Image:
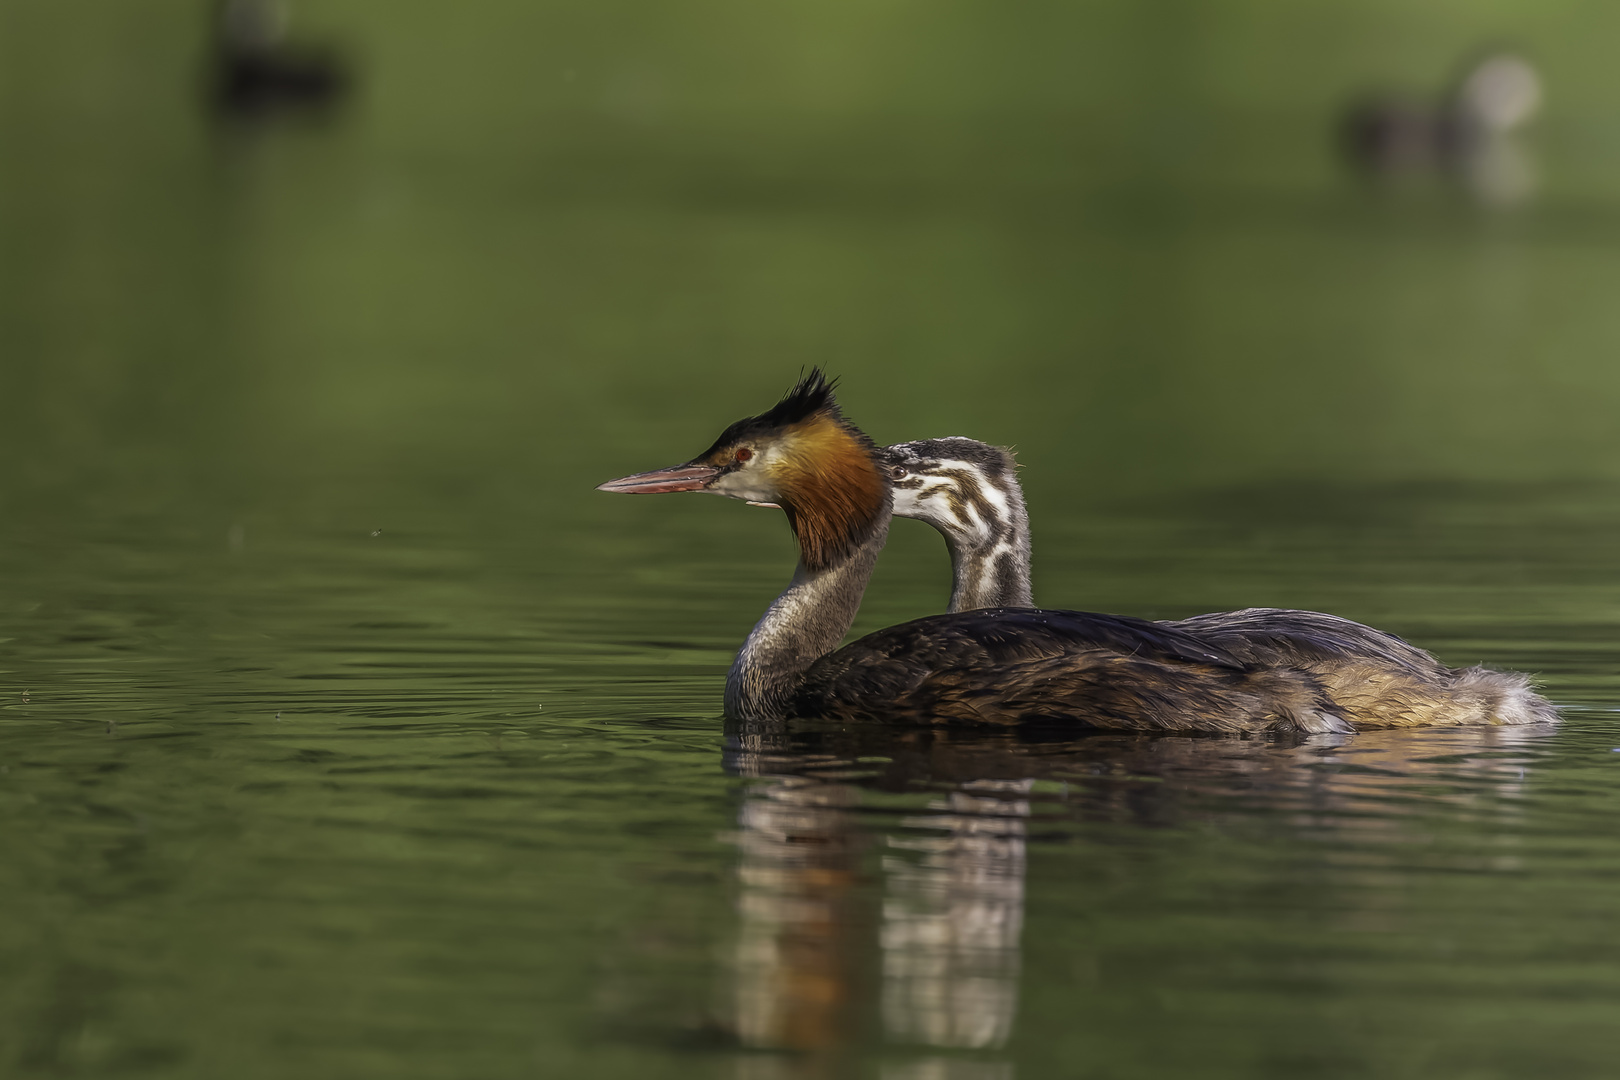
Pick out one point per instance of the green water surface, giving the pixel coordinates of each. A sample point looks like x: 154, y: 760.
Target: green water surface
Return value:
x: 345, y: 731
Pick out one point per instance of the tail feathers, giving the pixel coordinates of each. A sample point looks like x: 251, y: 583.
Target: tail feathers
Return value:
x: 1507, y: 696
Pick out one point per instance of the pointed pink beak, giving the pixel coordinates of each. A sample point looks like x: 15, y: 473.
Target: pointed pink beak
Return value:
x: 680, y: 478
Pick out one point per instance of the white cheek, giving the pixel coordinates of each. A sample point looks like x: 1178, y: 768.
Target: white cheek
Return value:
x: 749, y: 484
x: 924, y: 503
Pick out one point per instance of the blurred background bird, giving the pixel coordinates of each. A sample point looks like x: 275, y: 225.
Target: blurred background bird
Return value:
x: 258, y: 70
x: 1467, y: 134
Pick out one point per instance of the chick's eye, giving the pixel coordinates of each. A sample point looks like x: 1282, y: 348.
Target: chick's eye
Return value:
x: 743, y: 454
x: 898, y: 472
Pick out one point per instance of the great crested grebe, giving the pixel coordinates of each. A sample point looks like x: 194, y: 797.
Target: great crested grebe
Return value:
x: 1002, y: 665
x: 969, y: 491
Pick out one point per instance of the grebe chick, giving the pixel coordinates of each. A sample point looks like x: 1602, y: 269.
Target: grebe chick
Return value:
x: 1005, y: 665
x: 969, y: 491
x: 1379, y: 679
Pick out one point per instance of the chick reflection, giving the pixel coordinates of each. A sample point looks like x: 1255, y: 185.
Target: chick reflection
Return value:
x: 952, y: 918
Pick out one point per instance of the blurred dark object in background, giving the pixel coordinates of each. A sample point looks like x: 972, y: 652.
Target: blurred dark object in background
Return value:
x: 1467, y: 135
x: 256, y: 71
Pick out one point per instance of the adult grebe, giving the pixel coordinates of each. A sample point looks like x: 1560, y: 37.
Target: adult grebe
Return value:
x: 1005, y: 665
x: 969, y: 491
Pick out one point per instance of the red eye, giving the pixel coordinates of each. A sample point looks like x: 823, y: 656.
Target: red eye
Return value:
x: 743, y: 454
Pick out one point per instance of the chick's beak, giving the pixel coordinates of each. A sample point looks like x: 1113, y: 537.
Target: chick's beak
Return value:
x: 679, y: 478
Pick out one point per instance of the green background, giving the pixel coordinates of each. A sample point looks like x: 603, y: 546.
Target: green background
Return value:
x: 346, y: 731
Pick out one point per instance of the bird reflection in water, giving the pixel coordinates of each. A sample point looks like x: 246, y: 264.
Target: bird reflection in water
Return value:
x: 952, y: 915
x: 947, y: 923
x: 828, y: 876
x: 797, y: 956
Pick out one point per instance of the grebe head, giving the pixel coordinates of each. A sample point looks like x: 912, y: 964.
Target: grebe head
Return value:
x: 969, y: 491
x: 803, y: 456
x: 961, y: 487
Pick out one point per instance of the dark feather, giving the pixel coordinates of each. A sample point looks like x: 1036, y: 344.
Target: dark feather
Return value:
x: 1281, y: 636
x: 812, y: 394
x: 1009, y: 635
x: 1018, y: 665
x: 997, y: 462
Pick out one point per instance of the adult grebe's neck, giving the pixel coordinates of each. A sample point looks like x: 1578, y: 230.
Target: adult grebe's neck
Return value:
x: 805, y: 623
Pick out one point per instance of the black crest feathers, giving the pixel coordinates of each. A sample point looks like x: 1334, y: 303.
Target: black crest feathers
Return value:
x: 812, y: 394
